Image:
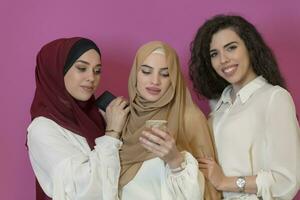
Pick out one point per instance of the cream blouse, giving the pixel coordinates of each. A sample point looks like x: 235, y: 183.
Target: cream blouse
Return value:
x: 155, y: 181
x: 259, y: 134
x: 67, y: 168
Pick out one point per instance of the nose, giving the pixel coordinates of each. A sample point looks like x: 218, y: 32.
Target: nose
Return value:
x: 223, y: 58
x: 91, y: 76
x: 155, y: 79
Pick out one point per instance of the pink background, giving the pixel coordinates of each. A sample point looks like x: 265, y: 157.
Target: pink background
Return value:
x: 119, y: 27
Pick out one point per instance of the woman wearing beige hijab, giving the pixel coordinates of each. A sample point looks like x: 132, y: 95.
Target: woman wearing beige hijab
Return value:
x: 159, y: 164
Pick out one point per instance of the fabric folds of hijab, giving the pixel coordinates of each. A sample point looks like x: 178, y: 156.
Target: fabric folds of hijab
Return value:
x: 172, y: 106
x: 51, y: 98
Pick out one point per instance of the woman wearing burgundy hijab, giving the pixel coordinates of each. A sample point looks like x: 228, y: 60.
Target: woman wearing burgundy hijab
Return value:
x: 72, y: 155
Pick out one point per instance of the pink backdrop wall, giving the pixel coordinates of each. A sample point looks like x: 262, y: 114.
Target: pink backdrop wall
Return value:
x: 119, y: 27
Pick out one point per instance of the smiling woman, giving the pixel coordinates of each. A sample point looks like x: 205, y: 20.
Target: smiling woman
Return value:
x: 72, y: 155
x: 230, y: 58
x: 254, y: 123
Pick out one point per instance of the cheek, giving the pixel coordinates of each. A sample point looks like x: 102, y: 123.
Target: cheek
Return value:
x: 139, y: 87
x: 214, y: 64
x: 97, y: 81
x: 140, y: 81
x: 69, y: 82
x: 166, y: 84
x: 70, y: 86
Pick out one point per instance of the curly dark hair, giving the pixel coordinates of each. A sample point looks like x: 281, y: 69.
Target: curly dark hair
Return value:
x: 205, y: 80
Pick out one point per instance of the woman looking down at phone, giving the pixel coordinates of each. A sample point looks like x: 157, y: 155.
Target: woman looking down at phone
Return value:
x: 72, y: 155
x: 159, y: 164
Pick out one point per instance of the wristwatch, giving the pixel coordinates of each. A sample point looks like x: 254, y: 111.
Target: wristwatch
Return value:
x: 180, y: 168
x: 241, y: 183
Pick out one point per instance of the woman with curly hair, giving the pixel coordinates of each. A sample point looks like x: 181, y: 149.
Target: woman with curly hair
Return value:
x: 254, y: 122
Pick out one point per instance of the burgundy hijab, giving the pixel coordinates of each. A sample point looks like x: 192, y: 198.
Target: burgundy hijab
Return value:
x: 52, y: 100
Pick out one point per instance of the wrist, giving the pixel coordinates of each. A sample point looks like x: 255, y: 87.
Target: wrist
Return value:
x: 223, y: 183
x: 113, y: 133
x: 176, y: 162
x: 112, y: 130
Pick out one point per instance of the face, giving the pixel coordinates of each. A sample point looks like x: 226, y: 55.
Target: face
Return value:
x: 83, y: 77
x: 153, y: 77
x: 230, y: 58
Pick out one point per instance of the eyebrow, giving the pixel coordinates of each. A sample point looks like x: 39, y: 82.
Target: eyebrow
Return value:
x: 230, y: 43
x: 226, y: 45
x: 87, y: 63
x: 144, y: 65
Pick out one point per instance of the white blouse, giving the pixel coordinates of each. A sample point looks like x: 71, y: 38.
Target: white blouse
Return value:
x: 155, y: 181
x: 258, y: 134
x: 67, y: 168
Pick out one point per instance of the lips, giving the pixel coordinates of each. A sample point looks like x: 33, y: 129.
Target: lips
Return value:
x: 153, y: 90
x: 229, y: 70
x: 88, y: 88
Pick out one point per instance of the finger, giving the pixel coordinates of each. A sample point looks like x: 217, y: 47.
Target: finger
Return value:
x: 153, y: 138
x: 204, y: 160
x: 152, y: 150
x: 203, y: 166
x: 209, y: 158
x: 162, y: 134
x: 150, y: 146
x: 126, y: 110
x: 155, y: 146
x: 147, y: 142
x: 117, y: 101
x: 112, y: 103
x: 123, y: 104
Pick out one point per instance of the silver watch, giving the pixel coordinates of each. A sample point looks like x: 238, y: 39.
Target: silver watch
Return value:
x: 241, y: 183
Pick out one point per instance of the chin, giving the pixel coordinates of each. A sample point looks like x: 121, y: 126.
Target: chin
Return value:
x: 85, y: 98
x: 150, y: 98
x: 231, y: 80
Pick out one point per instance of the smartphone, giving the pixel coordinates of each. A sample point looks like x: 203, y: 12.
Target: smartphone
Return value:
x: 104, y: 99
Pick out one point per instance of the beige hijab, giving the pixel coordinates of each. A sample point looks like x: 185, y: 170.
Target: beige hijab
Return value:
x: 186, y: 122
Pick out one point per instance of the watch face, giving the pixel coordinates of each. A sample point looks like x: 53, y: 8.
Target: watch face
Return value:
x: 240, y: 182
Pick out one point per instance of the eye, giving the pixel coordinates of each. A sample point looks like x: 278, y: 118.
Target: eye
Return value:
x: 231, y: 47
x: 145, y: 71
x: 81, y: 68
x: 164, y: 73
x: 213, y: 54
x: 97, y: 70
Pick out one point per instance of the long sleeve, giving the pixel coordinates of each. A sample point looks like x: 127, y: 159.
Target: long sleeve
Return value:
x: 280, y: 176
x: 187, y: 184
x: 65, y: 166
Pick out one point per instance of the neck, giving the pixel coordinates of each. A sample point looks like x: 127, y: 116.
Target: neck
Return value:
x: 238, y: 86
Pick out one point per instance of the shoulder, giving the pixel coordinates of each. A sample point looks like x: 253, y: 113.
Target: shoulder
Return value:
x: 278, y: 94
x: 43, y: 129
x: 42, y: 123
x: 277, y: 100
x: 270, y: 90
